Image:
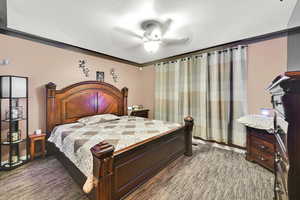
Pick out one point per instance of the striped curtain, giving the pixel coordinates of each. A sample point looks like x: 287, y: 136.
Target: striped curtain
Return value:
x: 210, y: 87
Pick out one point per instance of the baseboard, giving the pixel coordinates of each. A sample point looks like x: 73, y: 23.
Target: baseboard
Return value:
x: 235, y: 148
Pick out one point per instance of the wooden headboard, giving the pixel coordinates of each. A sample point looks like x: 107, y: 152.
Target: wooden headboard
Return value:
x: 83, y: 99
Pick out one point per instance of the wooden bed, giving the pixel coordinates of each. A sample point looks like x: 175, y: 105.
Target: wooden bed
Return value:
x: 116, y: 174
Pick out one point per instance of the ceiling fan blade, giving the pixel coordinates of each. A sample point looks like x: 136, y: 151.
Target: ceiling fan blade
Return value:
x: 133, y: 47
x: 166, y: 26
x: 173, y: 41
x: 128, y: 32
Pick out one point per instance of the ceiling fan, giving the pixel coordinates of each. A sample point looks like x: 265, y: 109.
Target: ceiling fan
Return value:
x: 154, y: 35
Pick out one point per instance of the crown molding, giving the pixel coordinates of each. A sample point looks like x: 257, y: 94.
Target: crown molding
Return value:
x: 62, y: 45
x: 46, y: 41
x: 246, y: 41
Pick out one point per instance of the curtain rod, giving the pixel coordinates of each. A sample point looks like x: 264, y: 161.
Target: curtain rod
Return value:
x: 200, y: 54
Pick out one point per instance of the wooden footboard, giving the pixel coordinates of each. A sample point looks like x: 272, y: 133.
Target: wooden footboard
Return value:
x: 117, y: 174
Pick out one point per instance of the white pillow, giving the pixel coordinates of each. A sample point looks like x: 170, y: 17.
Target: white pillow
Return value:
x: 98, y: 119
x: 257, y: 121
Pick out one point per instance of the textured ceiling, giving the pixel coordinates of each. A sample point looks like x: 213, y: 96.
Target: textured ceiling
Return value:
x: 91, y: 24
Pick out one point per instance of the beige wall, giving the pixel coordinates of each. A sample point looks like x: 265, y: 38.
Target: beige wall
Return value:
x: 266, y: 60
x: 43, y: 64
x: 148, y: 76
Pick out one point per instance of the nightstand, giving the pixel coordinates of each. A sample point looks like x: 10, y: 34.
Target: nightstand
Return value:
x: 33, y: 139
x: 140, y: 113
x: 260, y: 147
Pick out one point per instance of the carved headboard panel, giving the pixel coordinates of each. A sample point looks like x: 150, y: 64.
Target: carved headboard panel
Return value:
x: 83, y: 99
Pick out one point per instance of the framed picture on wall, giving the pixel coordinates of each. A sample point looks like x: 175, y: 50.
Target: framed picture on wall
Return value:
x: 100, y: 76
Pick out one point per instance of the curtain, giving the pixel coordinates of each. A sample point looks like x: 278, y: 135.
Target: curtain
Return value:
x: 210, y: 87
x: 172, y: 91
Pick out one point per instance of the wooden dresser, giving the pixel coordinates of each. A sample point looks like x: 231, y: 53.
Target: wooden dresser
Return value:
x: 285, y: 92
x: 140, y: 113
x: 260, y: 147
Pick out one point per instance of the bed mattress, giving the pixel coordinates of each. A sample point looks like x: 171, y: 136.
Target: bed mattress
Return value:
x: 76, y: 139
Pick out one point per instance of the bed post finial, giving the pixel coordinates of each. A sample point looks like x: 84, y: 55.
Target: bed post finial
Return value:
x: 103, y: 169
x: 51, y: 85
x: 189, y: 124
x: 125, y: 95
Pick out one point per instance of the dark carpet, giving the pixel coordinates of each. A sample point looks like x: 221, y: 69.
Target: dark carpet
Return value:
x: 210, y: 174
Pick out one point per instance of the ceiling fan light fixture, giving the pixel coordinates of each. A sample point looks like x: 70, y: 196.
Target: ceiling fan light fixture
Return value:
x: 156, y: 34
x: 152, y: 46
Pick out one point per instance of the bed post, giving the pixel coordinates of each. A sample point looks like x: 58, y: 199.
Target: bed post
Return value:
x: 125, y: 95
x: 50, y: 108
x: 103, y: 170
x: 189, y: 123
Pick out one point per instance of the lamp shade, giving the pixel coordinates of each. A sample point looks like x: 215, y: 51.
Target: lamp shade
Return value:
x: 13, y: 87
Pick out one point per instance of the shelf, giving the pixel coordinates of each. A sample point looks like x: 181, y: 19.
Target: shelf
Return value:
x: 15, y: 142
x: 14, y: 98
x: 14, y: 120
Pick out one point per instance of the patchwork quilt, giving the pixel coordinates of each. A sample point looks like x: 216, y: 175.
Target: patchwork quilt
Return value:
x: 76, y: 139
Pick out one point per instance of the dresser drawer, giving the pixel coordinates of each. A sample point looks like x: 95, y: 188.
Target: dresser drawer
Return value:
x: 262, y: 146
x: 265, y: 160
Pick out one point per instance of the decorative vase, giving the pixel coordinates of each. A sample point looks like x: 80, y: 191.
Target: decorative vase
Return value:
x: 14, y: 136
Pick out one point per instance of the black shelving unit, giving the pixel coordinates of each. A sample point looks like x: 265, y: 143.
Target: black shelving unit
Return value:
x: 14, y: 144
